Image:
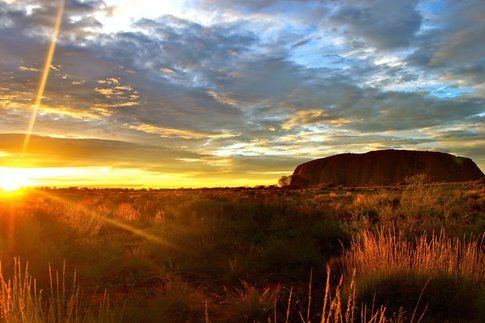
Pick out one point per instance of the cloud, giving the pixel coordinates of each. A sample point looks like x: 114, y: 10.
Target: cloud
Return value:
x: 385, y: 24
x: 452, y: 43
x: 61, y: 152
x: 55, y: 152
x: 251, y: 87
x: 118, y: 95
x: 178, y: 133
x: 310, y: 117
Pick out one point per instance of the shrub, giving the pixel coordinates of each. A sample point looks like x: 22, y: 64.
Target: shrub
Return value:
x: 418, y: 209
x: 250, y: 304
x: 126, y: 212
x: 418, y: 199
x: 86, y: 221
x: 172, y: 301
x: 441, y: 296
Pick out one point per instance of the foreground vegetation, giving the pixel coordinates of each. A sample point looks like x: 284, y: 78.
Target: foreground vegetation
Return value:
x: 407, y: 253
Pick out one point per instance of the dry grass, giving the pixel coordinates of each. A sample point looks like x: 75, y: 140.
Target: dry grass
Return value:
x: 21, y: 300
x: 387, y: 253
x: 446, y: 273
x: 336, y: 309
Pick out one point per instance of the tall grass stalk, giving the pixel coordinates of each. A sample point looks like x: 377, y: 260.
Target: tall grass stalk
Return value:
x: 21, y: 299
x: 336, y: 309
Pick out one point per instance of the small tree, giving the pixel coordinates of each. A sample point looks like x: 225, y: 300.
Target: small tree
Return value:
x: 284, y: 181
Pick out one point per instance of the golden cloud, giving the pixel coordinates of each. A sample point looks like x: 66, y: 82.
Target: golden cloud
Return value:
x: 179, y: 133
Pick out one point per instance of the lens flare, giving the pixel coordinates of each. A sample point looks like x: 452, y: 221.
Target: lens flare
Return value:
x: 44, y: 77
x: 116, y: 223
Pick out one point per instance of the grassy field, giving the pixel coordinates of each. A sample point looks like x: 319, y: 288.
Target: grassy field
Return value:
x: 402, y: 254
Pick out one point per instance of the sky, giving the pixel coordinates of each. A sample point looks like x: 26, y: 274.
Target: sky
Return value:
x: 191, y: 93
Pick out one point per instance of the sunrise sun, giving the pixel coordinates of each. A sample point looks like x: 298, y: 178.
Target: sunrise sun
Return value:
x: 13, y: 181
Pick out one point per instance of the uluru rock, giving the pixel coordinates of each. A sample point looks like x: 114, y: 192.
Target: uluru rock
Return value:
x: 385, y: 167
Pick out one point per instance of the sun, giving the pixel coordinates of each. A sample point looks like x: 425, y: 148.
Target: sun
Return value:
x: 11, y: 182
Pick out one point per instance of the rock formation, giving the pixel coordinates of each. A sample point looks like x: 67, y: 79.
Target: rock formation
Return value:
x: 385, y: 167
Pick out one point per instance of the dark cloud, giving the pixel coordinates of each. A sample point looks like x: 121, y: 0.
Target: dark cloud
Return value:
x: 35, y: 18
x: 453, y: 42
x: 404, y: 111
x: 385, y: 24
x: 139, y: 64
x: 260, y: 5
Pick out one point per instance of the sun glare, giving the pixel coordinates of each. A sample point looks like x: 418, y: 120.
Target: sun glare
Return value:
x: 11, y: 182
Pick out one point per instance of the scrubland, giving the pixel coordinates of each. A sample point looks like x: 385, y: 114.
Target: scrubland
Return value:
x: 408, y: 253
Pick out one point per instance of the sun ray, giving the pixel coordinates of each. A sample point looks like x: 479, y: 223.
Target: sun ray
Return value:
x: 111, y: 221
x: 45, y: 76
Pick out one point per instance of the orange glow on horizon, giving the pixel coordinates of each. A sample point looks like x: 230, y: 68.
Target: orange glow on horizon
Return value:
x: 106, y: 177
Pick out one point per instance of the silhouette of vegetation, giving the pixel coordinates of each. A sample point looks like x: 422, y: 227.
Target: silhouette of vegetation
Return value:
x: 284, y: 181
